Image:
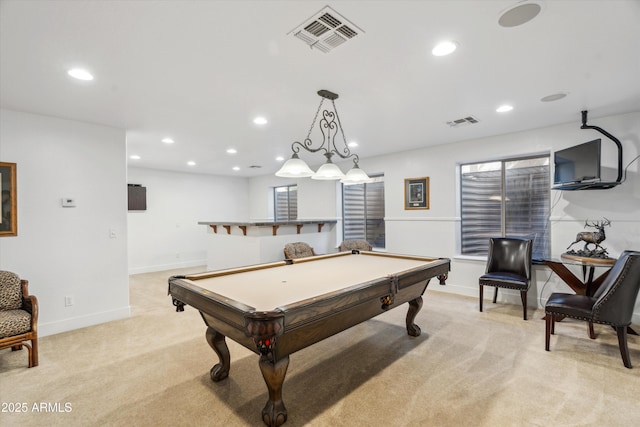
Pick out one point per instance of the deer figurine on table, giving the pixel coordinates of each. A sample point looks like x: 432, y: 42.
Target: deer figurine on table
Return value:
x: 594, y: 237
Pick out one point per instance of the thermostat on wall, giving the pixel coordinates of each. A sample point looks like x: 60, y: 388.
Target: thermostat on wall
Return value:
x: 68, y: 202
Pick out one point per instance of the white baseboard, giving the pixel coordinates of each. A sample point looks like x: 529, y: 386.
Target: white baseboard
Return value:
x: 72, y: 323
x: 504, y: 295
x: 163, y: 267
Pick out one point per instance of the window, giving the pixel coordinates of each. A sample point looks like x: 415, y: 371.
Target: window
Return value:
x: 363, y: 211
x: 505, y: 198
x: 285, y: 203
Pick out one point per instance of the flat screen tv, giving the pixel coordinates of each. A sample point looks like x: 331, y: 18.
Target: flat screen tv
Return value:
x: 137, y: 197
x: 578, y: 164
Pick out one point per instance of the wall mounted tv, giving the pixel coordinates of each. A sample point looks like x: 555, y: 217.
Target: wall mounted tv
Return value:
x: 577, y: 166
x: 137, y: 197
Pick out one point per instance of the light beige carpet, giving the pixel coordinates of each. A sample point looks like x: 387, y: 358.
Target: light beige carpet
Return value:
x: 466, y: 369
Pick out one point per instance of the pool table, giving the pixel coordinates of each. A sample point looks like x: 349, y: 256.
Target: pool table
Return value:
x: 278, y: 308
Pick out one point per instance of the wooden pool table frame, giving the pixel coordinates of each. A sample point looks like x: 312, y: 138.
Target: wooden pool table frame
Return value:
x: 276, y: 334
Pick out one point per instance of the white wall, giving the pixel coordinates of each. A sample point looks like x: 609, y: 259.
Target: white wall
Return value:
x: 434, y: 231
x: 259, y: 245
x: 167, y: 234
x: 316, y: 199
x: 68, y: 251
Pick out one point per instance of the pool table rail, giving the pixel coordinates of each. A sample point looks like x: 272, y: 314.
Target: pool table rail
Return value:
x: 229, y: 318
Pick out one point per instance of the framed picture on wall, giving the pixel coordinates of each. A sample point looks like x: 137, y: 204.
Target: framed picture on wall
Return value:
x: 9, y: 218
x: 416, y: 193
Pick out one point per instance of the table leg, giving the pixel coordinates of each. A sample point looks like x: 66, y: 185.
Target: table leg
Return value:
x: 217, y: 342
x: 414, y: 307
x: 595, y: 283
x: 589, y: 282
x: 568, y: 277
x: 274, y: 413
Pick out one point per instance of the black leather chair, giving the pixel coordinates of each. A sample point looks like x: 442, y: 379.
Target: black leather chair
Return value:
x: 612, y: 304
x: 508, y: 266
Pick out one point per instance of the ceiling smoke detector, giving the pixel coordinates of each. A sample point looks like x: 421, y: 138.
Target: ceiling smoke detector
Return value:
x: 469, y: 120
x: 326, y: 30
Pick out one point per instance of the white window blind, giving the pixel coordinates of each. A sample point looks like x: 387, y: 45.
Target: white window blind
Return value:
x: 363, y: 211
x: 286, y: 203
x: 505, y: 198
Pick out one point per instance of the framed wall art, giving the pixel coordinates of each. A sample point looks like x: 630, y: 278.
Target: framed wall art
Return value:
x: 9, y: 219
x: 416, y: 193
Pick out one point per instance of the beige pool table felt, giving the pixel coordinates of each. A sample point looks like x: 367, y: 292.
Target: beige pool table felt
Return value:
x: 270, y: 288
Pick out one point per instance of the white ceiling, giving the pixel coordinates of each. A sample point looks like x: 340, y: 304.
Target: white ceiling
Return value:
x: 200, y: 71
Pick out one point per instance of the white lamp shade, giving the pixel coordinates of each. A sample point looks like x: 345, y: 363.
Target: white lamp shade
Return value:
x: 355, y: 176
x: 295, y: 168
x: 328, y: 171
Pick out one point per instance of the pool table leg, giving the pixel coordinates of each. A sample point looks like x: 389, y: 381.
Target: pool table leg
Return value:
x: 216, y: 340
x: 414, y: 307
x: 274, y: 412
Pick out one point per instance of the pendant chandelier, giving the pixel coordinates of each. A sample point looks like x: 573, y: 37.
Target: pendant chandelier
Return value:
x: 329, y: 125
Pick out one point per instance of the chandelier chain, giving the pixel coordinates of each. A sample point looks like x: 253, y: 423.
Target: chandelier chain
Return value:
x: 314, y: 119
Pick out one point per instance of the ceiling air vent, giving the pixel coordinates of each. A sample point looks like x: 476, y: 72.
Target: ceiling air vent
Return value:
x: 326, y: 30
x: 469, y: 120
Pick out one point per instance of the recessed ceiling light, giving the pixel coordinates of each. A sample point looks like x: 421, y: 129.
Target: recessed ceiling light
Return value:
x: 280, y: 159
x: 191, y: 163
x: 232, y: 151
x: 554, y: 97
x: 134, y: 157
x: 352, y: 144
x: 236, y: 168
x: 519, y: 14
x: 504, y: 108
x: 80, y: 74
x: 260, y: 120
x: 444, y: 48
x: 168, y: 140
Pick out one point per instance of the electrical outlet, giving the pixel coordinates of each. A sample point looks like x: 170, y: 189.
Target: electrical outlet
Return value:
x: 68, y: 301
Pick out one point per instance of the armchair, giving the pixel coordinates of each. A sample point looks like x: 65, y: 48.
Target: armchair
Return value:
x: 298, y: 250
x: 359, y: 245
x: 18, y: 316
x: 508, y: 266
x: 612, y: 304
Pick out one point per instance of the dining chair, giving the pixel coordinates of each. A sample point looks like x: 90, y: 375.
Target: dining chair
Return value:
x: 612, y: 304
x: 508, y: 266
